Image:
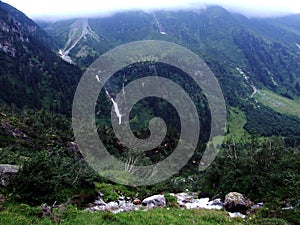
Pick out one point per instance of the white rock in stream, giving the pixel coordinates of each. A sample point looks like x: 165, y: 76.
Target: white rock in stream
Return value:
x: 204, y: 203
x: 236, y: 214
x: 154, y: 201
x: 191, y: 202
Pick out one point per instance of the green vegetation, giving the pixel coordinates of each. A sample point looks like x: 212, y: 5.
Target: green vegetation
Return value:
x: 278, y: 103
x: 265, y: 169
x: 260, y: 155
x: 24, y: 214
x: 235, y: 124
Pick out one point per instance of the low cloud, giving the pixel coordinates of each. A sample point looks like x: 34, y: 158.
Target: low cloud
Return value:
x: 68, y: 8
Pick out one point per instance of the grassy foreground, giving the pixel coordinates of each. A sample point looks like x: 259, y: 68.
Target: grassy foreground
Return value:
x: 23, y: 214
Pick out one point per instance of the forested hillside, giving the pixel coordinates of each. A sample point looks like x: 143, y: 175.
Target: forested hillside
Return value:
x: 248, y: 53
x: 31, y: 73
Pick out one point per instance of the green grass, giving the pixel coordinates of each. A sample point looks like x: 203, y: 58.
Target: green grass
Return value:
x: 278, y: 103
x: 25, y: 215
x: 235, y: 123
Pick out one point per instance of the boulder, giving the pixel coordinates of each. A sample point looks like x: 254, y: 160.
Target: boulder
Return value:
x: 154, y: 201
x: 137, y: 201
x: 236, y: 202
x: 7, y: 172
x: 183, y: 198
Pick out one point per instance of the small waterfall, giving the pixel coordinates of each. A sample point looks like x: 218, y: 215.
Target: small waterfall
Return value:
x: 116, y: 107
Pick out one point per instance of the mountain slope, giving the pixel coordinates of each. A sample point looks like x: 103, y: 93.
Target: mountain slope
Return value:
x: 246, y: 55
x: 31, y: 73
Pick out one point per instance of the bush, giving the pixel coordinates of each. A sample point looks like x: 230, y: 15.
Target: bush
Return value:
x: 49, y: 177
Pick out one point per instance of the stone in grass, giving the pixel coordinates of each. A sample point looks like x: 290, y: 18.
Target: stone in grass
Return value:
x: 236, y: 202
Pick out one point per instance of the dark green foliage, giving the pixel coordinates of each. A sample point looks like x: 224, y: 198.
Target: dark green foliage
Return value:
x: 108, y: 191
x: 48, y: 177
x: 272, y: 61
x: 31, y: 74
x: 264, y: 169
x: 264, y: 121
x: 274, y: 213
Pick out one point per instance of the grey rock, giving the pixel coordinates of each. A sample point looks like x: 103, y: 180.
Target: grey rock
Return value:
x: 7, y: 172
x: 236, y: 214
x: 288, y: 208
x: 154, y: 201
x: 236, y: 202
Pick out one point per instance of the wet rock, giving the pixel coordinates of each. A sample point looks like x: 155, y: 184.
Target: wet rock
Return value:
x: 217, y: 202
x: 236, y: 214
x: 204, y: 203
x: 128, y: 207
x: 190, y: 201
x: 112, y: 206
x: 7, y: 172
x: 121, y: 205
x: 236, y: 202
x: 154, y: 201
x: 183, y: 198
x: 288, y: 208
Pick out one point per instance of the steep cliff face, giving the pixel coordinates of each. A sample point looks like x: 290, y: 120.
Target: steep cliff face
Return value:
x: 31, y: 73
x: 15, y: 28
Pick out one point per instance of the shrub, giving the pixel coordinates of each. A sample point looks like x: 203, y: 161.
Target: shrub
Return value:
x: 48, y: 177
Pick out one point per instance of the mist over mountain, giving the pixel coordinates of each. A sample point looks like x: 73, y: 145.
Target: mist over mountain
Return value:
x: 255, y: 60
x: 256, y: 54
x: 55, y: 10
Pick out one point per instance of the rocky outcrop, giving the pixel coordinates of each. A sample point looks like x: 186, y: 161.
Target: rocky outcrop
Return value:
x: 127, y: 205
x: 236, y: 202
x: 121, y: 205
x: 7, y: 172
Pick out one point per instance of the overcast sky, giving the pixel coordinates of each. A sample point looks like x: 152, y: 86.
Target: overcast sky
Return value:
x: 72, y: 8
